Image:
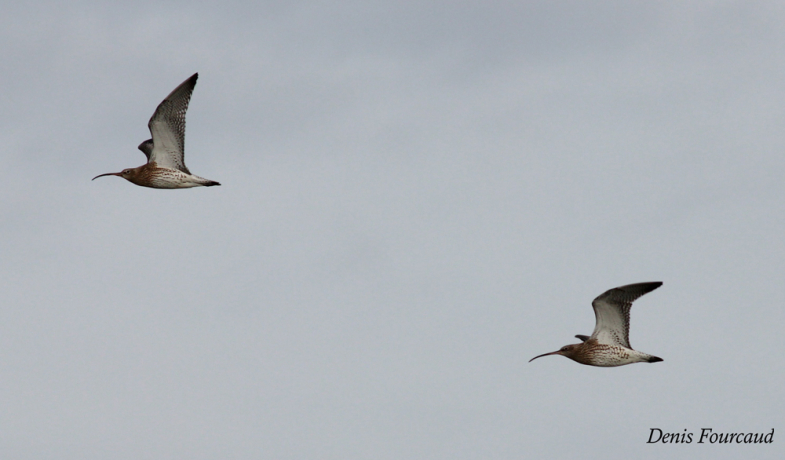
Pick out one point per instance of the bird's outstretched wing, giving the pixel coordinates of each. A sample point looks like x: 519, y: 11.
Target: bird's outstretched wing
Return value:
x: 167, y: 125
x: 612, y: 309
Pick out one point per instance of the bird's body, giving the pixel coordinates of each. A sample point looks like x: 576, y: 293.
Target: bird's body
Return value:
x: 165, y: 152
x: 609, y: 344
x: 153, y: 176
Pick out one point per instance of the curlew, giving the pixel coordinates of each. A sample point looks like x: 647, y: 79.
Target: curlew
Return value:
x: 165, y: 152
x: 609, y: 344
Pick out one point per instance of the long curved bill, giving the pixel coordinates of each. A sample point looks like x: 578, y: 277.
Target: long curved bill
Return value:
x: 546, y: 354
x: 107, y: 174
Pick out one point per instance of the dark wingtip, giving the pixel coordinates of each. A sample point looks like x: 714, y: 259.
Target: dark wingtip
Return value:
x: 147, y: 148
x: 652, y: 285
x: 654, y: 359
x: 211, y: 183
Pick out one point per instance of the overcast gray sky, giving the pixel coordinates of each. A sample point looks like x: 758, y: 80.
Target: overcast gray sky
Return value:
x: 416, y: 199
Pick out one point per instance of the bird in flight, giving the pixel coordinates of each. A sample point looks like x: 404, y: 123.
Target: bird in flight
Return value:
x: 609, y: 344
x: 165, y: 167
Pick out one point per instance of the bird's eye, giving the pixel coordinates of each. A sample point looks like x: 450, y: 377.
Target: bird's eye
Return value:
x: 126, y: 171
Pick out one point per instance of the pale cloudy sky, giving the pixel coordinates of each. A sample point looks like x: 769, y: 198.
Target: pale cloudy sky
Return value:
x: 417, y: 198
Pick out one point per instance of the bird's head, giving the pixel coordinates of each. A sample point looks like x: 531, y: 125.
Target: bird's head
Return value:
x: 128, y: 174
x: 567, y: 350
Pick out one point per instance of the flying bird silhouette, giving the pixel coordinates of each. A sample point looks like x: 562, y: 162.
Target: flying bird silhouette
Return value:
x: 165, y: 152
x: 609, y: 344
